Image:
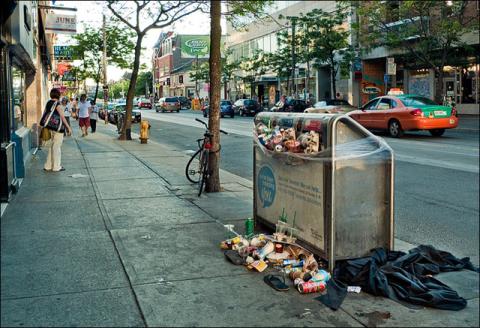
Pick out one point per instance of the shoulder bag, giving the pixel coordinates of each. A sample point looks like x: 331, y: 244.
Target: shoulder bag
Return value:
x: 52, y: 120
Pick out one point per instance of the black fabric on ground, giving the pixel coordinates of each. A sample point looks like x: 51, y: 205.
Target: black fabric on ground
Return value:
x: 336, y: 292
x: 403, y: 277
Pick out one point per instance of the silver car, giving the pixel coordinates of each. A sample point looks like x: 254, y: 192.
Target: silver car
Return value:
x: 168, y: 104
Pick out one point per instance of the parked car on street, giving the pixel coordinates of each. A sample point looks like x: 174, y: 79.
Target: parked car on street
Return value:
x: 400, y: 113
x: 119, y: 109
x: 291, y: 105
x: 244, y: 107
x: 226, y: 109
x: 168, y: 104
x: 184, y: 102
x: 144, y: 103
x: 331, y: 106
x: 104, y: 110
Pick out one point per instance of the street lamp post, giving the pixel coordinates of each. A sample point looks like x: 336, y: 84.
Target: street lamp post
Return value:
x: 294, y: 21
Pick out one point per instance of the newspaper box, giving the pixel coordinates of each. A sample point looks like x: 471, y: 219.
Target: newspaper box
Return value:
x: 329, y: 178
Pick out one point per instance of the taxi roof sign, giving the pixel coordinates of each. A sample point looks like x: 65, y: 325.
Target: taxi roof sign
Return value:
x: 395, y: 91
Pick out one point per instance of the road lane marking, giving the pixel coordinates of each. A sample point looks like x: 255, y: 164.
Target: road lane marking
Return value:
x: 437, y: 163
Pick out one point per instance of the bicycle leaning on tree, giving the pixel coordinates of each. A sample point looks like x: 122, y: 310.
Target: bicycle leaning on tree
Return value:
x: 197, y: 169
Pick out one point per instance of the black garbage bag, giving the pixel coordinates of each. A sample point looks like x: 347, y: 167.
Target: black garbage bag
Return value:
x: 406, y: 278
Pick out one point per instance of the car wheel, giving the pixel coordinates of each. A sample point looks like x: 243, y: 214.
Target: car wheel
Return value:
x: 394, y: 129
x: 437, y: 132
x: 178, y: 110
x: 221, y: 116
x: 163, y: 110
x: 204, y: 114
x: 232, y: 115
x: 156, y: 110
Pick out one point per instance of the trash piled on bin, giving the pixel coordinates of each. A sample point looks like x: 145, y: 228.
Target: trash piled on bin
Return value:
x: 304, y: 138
x: 278, y: 252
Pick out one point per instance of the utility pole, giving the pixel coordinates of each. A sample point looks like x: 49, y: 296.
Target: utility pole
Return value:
x: 293, y: 54
x: 104, y: 64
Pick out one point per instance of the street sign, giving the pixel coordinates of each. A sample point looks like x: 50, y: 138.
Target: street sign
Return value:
x: 387, y: 78
x: 390, y: 60
x: 357, y: 65
x: 392, y: 69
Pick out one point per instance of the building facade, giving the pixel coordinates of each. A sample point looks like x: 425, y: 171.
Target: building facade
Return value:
x: 25, y: 58
x: 461, y: 75
x: 263, y: 36
x: 171, y: 66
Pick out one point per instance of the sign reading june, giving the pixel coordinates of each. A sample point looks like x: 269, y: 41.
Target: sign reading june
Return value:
x: 195, y: 45
x: 61, y: 24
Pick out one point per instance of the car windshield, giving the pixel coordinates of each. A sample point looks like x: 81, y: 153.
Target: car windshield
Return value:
x: 120, y: 108
x: 249, y: 102
x: 171, y: 99
x: 225, y: 102
x: 417, y: 101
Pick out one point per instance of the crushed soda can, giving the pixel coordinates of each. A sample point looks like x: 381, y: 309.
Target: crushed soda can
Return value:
x: 322, y: 275
x: 311, y: 287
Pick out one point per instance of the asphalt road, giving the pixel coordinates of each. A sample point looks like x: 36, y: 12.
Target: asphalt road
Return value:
x: 437, y: 179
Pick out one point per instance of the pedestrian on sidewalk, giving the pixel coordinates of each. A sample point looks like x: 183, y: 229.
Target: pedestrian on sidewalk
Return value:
x: 54, y: 157
x: 67, y: 108
x: 83, y: 114
x: 93, y: 116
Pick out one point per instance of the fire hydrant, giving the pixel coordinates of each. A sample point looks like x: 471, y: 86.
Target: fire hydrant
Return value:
x: 144, y: 127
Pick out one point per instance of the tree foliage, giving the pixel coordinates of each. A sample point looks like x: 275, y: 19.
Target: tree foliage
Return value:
x: 321, y: 38
x: 89, y: 47
x: 140, y: 17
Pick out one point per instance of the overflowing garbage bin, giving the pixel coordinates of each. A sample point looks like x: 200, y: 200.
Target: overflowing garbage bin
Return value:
x: 328, y: 178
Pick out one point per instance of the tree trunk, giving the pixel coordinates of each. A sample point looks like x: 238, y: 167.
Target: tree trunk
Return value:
x: 213, y: 182
x: 96, y: 92
x: 126, y: 131
x: 97, y: 80
x: 334, y: 82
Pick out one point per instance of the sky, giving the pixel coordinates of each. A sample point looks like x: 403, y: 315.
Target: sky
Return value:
x: 90, y: 13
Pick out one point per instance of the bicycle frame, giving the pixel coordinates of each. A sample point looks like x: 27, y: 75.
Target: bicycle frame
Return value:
x: 204, y: 150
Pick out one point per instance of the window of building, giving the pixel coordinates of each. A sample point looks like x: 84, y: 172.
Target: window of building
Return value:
x: 18, y: 91
x: 180, y: 79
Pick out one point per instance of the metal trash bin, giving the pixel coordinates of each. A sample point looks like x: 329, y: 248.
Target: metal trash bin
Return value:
x: 340, y: 199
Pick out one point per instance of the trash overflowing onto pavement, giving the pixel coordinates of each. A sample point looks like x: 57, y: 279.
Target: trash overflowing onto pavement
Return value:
x: 279, y: 252
x: 384, y: 273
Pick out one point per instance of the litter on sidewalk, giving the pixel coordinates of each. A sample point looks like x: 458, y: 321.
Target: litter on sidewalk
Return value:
x: 278, y: 252
x: 403, y: 277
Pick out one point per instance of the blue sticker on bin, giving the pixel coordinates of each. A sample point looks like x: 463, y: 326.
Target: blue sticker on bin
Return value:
x: 266, y: 186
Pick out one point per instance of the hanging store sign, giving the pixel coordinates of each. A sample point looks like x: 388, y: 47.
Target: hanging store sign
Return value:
x: 63, y: 52
x: 61, y: 24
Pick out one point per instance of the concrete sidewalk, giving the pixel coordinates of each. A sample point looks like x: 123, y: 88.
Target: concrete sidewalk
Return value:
x: 125, y: 241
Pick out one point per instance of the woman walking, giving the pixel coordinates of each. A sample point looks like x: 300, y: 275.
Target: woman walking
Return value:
x: 67, y: 108
x: 84, y: 114
x: 54, y: 157
x: 93, y: 116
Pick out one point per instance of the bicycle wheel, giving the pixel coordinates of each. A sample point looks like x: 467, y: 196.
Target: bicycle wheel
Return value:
x: 192, y: 170
x: 204, y: 171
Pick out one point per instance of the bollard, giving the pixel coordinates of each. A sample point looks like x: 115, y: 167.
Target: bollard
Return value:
x: 144, y: 127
